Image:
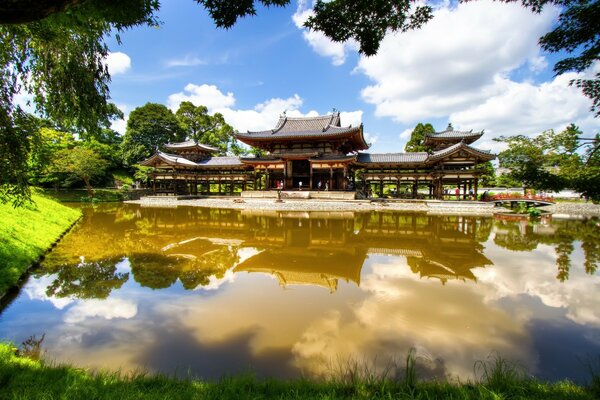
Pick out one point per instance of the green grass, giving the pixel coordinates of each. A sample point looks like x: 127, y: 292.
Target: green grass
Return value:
x: 26, y: 378
x: 27, y: 232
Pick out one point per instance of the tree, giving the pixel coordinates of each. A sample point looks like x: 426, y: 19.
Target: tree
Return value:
x: 488, y: 175
x: 553, y: 161
x: 55, y: 49
x: 82, y: 162
x: 577, y: 34
x: 415, y: 144
x: 208, y: 129
x: 57, y: 57
x: 148, y: 128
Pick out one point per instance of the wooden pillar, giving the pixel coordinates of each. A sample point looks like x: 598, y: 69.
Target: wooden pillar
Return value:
x: 231, y: 183
x: 380, y: 187
x: 464, y: 190
x: 331, y: 179
x: 476, y: 187
x: 345, y: 178
x: 154, y: 185
x: 310, y: 179
x: 267, y: 179
x: 219, y: 185
x: 415, y: 188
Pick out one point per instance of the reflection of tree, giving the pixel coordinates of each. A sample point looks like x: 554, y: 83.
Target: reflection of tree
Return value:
x: 560, y: 234
x: 563, y: 249
x: 85, y: 280
x: 513, y: 237
x: 214, y: 263
x: 155, y: 271
x: 158, y: 271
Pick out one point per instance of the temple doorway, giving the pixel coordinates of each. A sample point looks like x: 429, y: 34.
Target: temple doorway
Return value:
x: 301, y: 173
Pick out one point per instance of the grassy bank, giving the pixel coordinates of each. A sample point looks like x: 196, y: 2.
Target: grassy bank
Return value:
x: 26, y: 233
x: 26, y: 378
x: 100, y: 195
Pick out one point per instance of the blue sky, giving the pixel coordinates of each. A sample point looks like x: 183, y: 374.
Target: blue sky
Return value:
x: 476, y: 65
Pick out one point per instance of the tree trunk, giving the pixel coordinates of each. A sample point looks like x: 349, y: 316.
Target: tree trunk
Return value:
x: 88, y: 186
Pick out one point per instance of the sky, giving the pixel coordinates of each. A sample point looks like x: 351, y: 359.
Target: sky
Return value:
x: 476, y: 65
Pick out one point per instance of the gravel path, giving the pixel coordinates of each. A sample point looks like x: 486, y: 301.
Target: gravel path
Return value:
x: 574, y: 209
x: 430, y: 207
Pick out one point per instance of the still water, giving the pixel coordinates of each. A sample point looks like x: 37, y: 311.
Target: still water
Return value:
x: 209, y: 292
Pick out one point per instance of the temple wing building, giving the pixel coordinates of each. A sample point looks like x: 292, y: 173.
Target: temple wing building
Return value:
x: 318, y: 153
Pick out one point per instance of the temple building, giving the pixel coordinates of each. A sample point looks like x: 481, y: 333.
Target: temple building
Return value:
x: 319, y: 154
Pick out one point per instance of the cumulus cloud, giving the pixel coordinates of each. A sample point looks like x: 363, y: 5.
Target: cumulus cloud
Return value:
x: 108, y: 309
x: 207, y: 95
x: 262, y: 116
x: 118, y: 63
x: 459, y: 66
x: 186, y: 61
x: 321, y: 44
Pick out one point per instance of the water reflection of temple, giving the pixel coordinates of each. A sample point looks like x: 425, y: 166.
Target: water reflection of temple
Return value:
x: 318, y: 248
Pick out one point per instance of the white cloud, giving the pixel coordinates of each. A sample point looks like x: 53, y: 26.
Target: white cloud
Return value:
x: 120, y: 125
x: 526, y: 108
x: 108, y: 309
x: 459, y: 66
x: 207, y: 95
x: 187, y: 61
x: 353, y: 118
x: 118, y: 63
x: 263, y: 116
x: 318, y: 41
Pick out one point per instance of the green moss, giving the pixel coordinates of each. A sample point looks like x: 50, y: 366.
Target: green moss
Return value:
x: 23, y: 378
x: 26, y: 233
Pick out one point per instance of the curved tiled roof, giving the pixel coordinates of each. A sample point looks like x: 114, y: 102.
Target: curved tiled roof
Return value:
x: 325, y: 127
x: 190, y: 144
x: 170, y: 159
x: 451, y: 135
x: 175, y: 160
x: 220, y: 162
x: 486, y: 155
x: 392, y: 158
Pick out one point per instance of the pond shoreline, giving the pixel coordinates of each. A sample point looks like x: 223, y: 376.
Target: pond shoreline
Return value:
x: 433, y: 207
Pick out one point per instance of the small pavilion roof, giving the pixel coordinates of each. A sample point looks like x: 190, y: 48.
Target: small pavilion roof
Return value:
x: 326, y: 127
x: 170, y: 159
x: 483, y: 154
x: 190, y: 144
x: 175, y: 160
x: 421, y: 157
x: 451, y: 135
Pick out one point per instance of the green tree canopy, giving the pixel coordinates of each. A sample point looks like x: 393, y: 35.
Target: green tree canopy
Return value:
x: 202, y: 127
x: 415, y: 144
x: 55, y: 50
x: 82, y: 162
x: 552, y: 161
x: 148, y: 128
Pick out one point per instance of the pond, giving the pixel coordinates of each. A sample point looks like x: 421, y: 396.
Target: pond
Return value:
x: 209, y: 292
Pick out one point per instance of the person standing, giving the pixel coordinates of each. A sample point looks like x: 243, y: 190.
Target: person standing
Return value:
x: 300, y: 185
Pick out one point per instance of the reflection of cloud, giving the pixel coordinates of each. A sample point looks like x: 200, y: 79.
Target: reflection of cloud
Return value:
x: 400, y: 312
x: 215, y: 283
x: 108, y: 309
x: 535, y: 275
x: 36, y: 290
